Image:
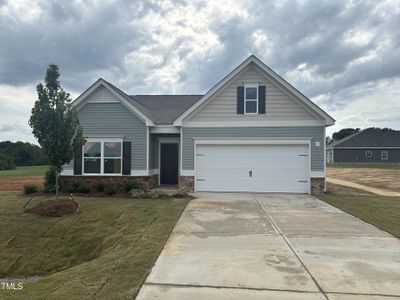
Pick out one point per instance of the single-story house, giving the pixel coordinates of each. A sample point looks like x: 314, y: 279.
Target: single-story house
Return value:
x: 252, y: 132
x: 368, y: 145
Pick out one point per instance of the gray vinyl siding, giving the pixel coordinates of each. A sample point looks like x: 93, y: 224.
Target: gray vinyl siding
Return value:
x: 316, y: 134
x: 114, y: 119
x: 280, y: 105
x: 358, y: 155
x: 153, y: 152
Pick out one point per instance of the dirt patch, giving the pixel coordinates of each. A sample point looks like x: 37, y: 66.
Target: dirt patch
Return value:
x: 344, y: 190
x: 387, y: 179
x: 16, y: 183
x: 54, y: 208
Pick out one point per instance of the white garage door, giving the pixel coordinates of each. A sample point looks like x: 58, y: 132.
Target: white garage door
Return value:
x: 252, y: 168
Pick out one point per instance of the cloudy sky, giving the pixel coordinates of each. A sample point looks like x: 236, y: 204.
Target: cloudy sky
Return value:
x: 344, y: 55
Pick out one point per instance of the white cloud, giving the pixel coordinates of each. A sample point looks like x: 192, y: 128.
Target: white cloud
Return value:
x: 16, y: 105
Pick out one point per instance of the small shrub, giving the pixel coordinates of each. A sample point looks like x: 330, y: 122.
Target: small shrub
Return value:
x: 99, y: 186
x: 109, y: 189
x: 83, y: 188
x: 72, y: 187
x: 50, y: 180
x: 30, y: 189
x: 130, y: 186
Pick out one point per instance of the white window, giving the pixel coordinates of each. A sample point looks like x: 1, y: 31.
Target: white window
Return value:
x: 251, y: 99
x: 368, y: 154
x: 102, y: 157
x: 384, y: 155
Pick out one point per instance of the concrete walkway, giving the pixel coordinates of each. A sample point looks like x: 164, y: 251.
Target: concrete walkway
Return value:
x: 273, y: 246
x: 373, y: 190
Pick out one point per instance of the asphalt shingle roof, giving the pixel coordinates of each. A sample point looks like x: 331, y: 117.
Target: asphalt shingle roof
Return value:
x: 164, y: 109
x: 371, y: 137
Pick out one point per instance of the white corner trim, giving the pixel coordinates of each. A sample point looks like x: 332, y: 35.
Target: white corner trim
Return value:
x: 243, y: 123
x: 126, y: 103
x: 252, y: 59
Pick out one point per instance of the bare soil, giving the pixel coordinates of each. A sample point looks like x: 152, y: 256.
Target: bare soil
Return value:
x: 16, y: 183
x: 54, y: 208
x: 387, y: 179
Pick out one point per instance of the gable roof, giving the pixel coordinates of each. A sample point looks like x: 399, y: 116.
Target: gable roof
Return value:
x: 133, y: 106
x: 253, y: 59
x: 164, y: 109
x: 370, y: 137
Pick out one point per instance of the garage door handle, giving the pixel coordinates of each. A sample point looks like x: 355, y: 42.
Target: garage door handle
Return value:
x: 303, y: 181
x: 303, y: 155
x: 250, y: 173
x: 200, y: 180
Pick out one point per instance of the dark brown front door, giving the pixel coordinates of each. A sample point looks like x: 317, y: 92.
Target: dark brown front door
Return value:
x: 169, y: 163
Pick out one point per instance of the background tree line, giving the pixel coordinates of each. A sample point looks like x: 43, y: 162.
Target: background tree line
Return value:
x: 17, y: 154
x: 345, y: 132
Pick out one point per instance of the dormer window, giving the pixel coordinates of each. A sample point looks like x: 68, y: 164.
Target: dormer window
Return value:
x: 251, y: 99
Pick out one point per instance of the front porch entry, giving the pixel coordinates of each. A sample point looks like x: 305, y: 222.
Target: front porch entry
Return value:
x: 169, y: 163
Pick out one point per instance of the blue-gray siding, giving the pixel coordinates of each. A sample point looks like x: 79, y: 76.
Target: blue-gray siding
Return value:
x: 316, y: 134
x: 114, y: 119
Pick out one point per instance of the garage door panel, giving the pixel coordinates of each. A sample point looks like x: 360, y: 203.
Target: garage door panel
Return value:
x: 274, y: 168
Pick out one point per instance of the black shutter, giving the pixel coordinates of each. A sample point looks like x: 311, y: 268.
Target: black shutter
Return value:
x: 261, y: 99
x: 240, y: 100
x: 78, y: 162
x: 126, y: 158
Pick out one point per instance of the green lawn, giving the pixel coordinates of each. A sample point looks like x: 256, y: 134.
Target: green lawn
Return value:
x: 26, y: 171
x: 383, y: 212
x: 105, y: 251
x: 366, y: 165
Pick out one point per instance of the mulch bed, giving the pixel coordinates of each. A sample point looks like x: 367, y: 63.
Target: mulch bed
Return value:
x: 54, y: 208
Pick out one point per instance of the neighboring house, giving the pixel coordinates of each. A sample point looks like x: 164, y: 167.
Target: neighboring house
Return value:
x: 252, y: 131
x: 368, y: 145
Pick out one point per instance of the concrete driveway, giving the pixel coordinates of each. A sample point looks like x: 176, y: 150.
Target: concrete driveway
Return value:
x: 273, y: 246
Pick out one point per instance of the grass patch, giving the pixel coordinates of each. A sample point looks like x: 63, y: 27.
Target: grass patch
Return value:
x: 395, y: 166
x: 381, y: 211
x: 104, y: 251
x: 26, y: 171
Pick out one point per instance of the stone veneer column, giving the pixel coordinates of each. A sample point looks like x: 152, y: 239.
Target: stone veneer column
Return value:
x: 317, y: 185
x: 186, y: 184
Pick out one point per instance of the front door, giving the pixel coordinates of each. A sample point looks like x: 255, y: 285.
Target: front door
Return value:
x: 169, y: 163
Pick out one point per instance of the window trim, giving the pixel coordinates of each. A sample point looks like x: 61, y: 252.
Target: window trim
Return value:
x: 386, y: 156
x: 368, y: 154
x: 250, y: 100
x: 102, y: 157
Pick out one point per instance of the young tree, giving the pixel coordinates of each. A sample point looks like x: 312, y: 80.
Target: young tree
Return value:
x: 55, y: 123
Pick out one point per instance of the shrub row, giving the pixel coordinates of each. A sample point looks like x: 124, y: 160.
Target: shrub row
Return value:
x: 108, y: 188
